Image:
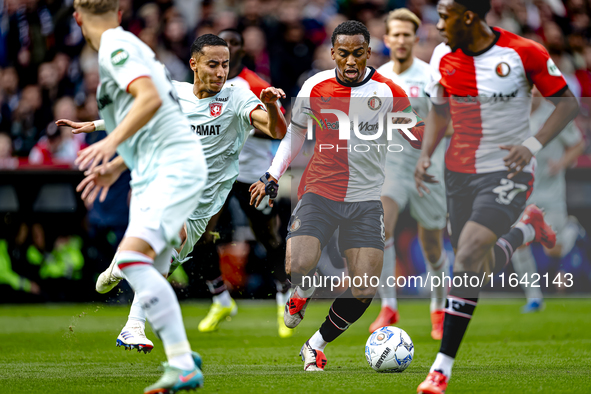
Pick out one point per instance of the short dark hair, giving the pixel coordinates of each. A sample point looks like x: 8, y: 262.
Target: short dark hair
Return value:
x: 234, y: 31
x: 479, y: 7
x: 350, y: 28
x: 206, y: 40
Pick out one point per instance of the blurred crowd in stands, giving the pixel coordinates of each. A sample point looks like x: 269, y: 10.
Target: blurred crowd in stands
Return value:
x: 47, y: 72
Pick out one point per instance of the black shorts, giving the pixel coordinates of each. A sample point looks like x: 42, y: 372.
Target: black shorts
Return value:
x: 488, y: 199
x: 360, y: 224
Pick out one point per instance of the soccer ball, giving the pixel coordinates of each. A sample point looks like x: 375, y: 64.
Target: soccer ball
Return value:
x: 389, y: 349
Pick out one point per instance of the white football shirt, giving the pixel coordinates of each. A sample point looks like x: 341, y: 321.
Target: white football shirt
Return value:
x: 222, y: 123
x: 413, y: 81
x: 123, y: 58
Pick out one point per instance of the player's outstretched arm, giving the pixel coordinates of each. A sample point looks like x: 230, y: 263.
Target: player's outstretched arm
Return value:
x: 435, y: 127
x: 81, y: 127
x: 146, y: 103
x: 519, y: 156
x: 272, y: 122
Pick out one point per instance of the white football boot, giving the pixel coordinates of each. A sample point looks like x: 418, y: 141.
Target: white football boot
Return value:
x: 109, y: 278
x: 132, y: 336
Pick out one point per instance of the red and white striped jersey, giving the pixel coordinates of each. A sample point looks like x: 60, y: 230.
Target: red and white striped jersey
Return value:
x: 489, y: 96
x: 348, y: 169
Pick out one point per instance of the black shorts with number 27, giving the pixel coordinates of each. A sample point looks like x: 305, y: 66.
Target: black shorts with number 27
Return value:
x: 360, y: 224
x: 490, y: 199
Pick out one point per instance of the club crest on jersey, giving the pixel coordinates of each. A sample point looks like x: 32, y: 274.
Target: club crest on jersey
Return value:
x: 374, y: 103
x: 503, y: 69
x: 215, y: 109
x: 414, y: 91
x: 297, y: 223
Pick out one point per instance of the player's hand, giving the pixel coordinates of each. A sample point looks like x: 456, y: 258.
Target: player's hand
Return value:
x: 257, y: 193
x: 271, y: 95
x: 519, y: 156
x: 77, y: 127
x: 96, y: 154
x: 421, y: 175
x: 98, y: 180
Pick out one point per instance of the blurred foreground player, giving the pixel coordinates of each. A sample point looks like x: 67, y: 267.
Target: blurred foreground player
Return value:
x: 482, y: 80
x: 550, y: 195
x: 341, y: 185
x: 153, y: 139
x: 222, y: 117
x: 399, y: 190
x: 256, y: 156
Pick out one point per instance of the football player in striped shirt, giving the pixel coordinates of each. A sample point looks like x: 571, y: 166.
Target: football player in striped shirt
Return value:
x: 341, y: 186
x: 482, y: 81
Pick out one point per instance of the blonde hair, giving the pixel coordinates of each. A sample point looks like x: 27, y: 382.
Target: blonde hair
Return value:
x: 97, y: 7
x: 405, y: 15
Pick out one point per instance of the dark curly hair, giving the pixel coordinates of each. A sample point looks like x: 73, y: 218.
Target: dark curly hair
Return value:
x: 350, y: 28
x: 479, y: 7
x: 206, y: 40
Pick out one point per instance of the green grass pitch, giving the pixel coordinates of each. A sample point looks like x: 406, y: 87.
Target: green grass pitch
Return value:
x: 71, y: 349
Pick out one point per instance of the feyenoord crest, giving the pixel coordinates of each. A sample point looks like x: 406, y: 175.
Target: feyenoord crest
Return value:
x: 503, y: 69
x: 215, y: 109
x: 374, y: 103
x: 297, y: 223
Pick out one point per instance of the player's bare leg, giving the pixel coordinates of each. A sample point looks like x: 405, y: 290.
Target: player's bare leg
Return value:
x: 387, y: 291
x: 300, y: 265
x: 437, y: 265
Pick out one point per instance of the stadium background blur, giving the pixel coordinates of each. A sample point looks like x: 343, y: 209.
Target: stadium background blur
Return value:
x: 52, y: 246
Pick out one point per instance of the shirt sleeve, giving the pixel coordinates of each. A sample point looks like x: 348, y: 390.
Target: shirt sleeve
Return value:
x: 434, y: 88
x: 542, y: 72
x: 124, y: 63
x: 300, y: 111
x: 245, y: 103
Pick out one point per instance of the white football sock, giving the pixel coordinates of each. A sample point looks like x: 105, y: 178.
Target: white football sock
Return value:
x: 223, y: 299
x: 528, y: 232
x: 184, y: 362
x: 439, y: 294
x: 317, y: 341
x: 525, y: 264
x: 305, y: 293
x: 387, y: 291
x: 443, y: 363
x: 161, y: 305
x: 136, y: 313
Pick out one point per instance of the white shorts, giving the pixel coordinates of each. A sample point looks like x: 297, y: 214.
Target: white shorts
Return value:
x: 430, y: 211
x: 159, y: 209
x: 195, y: 229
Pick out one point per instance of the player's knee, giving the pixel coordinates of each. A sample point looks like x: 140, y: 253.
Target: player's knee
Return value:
x: 555, y: 252
x: 364, y: 294
x: 467, y: 260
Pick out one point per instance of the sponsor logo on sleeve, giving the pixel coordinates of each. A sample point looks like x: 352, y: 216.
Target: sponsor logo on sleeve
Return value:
x: 119, y: 57
x: 552, y: 69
